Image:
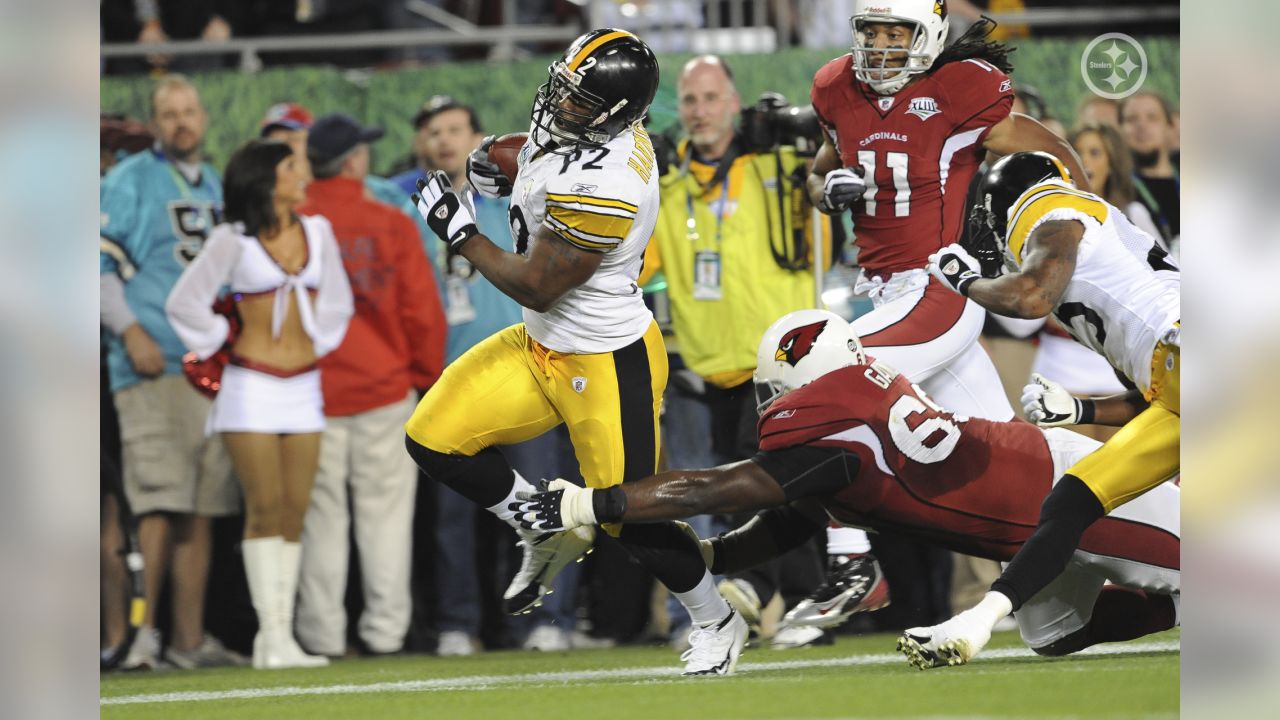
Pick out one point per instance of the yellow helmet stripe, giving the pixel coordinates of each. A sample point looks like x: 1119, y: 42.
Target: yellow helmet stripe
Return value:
x: 1062, y: 169
x: 590, y: 47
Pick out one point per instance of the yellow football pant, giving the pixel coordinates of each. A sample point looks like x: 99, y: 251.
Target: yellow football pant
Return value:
x: 1145, y: 451
x: 509, y: 388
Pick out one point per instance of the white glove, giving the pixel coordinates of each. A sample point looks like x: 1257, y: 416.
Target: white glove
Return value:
x: 840, y: 189
x: 448, y: 213
x: 1048, y: 404
x: 484, y: 175
x: 561, y: 506
x: 955, y: 267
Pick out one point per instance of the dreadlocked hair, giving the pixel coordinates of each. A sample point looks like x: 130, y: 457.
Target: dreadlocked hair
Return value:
x: 973, y: 45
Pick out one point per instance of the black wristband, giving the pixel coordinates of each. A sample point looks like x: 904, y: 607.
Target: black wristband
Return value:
x: 1084, y: 411
x: 609, y: 504
x: 962, y: 287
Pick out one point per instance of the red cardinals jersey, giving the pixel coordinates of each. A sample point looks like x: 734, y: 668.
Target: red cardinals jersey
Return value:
x: 918, y: 149
x: 968, y: 484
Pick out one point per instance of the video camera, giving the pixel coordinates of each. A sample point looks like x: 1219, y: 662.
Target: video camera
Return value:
x: 773, y: 122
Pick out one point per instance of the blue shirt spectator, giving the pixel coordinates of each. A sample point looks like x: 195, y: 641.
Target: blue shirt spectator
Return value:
x: 154, y: 222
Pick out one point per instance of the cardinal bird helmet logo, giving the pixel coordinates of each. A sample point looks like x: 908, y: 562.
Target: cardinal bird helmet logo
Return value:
x: 797, y: 343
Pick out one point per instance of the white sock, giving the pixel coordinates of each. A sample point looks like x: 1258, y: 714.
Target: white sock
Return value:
x: 847, y: 541
x: 704, y: 602
x: 993, y: 607
x: 519, y: 484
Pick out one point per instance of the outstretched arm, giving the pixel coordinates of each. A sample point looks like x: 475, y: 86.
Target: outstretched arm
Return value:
x: 667, y: 496
x: 770, y: 479
x: 1031, y: 292
x: 684, y: 493
x: 1022, y: 133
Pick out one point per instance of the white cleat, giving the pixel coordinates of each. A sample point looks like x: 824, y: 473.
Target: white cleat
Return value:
x: 714, y: 649
x: 954, y: 642
x: 545, y: 555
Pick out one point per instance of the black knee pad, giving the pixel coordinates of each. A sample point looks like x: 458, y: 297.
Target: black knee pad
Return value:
x: 484, y: 478
x: 666, y: 552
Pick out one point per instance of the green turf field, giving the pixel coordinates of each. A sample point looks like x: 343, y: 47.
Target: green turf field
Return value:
x: 857, y: 678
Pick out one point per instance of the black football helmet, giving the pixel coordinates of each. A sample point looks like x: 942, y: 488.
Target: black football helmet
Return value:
x: 1000, y: 187
x: 601, y: 85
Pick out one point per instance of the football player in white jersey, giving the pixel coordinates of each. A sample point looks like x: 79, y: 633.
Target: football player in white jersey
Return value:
x: 589, y: 354
x: 1115, y: 290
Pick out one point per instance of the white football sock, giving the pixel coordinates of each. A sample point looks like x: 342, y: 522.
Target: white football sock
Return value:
x: 518, y: 484
x: 704, y: 602
x: 993, y: 608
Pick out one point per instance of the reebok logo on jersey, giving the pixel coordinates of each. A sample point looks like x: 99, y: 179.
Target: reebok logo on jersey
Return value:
x: 923, y: 107
x: 1006, y: 86
x: 583, y: 188
x: 784, y: 414
x: 579, y: 384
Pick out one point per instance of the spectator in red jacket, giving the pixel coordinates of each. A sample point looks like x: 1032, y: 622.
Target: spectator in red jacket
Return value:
x: 393, y: 348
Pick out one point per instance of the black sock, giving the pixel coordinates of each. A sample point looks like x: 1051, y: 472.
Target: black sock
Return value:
x: 484, y: 478
x: 1069, y: 510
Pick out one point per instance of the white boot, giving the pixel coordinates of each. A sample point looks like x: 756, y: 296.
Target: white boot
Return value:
x: 290, y: 566
x: 262, y: 569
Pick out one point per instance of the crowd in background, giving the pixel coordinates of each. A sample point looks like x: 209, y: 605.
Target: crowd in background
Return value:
x: 427, y: 570
x: 668, y: 25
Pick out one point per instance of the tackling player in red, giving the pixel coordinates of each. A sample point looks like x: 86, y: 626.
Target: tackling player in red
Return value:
x: 847, y: 437
x: 906, y: 125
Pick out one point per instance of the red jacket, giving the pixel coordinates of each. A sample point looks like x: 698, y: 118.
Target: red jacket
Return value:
x: 396, y: 338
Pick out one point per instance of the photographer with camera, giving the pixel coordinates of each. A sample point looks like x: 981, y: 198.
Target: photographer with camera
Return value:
x: 735, y: 239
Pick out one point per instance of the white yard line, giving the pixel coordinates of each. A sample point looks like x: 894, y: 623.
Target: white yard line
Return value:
x: 485, y: 682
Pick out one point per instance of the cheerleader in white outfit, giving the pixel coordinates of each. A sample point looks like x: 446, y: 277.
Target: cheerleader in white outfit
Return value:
x: 294, y: 302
